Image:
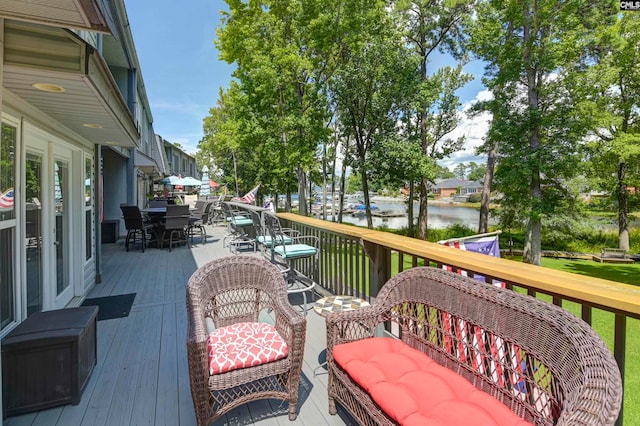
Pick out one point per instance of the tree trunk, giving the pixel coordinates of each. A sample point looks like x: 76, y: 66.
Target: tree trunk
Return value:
x: 533, y: 241
x: 302, y: 191
x: 424, y: 183
x: 483, y: 224
x: 623, y: 207
x: 365, y: 189
x: 411, y: 231
x: 343, y: 178
x: 422, y: 215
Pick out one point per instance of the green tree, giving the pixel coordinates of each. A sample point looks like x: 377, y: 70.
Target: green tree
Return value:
x: 432, y: 27
x: 370, y: 83
x: 534, y: 49
x: 460, y: 171
x: 443, y: 172
x: 612, y: 103
x: 476, y: 171
x: 285, y: 114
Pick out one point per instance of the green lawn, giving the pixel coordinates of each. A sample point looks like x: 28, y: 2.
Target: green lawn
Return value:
x: 603, y: 322
x: 624, y: 273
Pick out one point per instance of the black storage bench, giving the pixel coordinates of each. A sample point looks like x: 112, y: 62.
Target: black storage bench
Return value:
x: 47, y: 359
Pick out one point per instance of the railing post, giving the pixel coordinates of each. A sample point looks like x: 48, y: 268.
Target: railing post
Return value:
x: 619, y: 348
x: 379, y: 266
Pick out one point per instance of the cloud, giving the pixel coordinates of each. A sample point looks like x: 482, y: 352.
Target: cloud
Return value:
x: 474, y: 129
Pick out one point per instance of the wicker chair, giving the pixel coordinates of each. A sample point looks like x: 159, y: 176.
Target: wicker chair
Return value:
x: 564, y: 373
x: 228, y: 291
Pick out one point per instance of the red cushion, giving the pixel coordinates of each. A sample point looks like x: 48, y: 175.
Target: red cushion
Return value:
x: 415, y: 390
x: 244, y: 344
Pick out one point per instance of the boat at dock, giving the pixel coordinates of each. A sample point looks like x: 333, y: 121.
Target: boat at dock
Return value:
x: 388, y: 213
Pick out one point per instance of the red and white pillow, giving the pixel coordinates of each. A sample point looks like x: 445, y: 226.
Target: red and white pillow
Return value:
x: 244, y: 344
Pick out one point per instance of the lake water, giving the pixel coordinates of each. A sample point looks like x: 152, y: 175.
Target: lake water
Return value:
x: 439, y: 216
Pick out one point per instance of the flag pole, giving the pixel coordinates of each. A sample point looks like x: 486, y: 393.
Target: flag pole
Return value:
x: 470, y: 237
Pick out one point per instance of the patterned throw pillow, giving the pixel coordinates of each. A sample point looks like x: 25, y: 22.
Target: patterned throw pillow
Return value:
x: 244, y: 344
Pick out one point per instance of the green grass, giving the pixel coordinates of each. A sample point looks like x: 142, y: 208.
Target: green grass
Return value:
x: 603, y: 322
x: 624, y: 273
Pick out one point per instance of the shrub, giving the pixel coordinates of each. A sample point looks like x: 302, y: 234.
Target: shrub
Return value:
x: 475, y: 198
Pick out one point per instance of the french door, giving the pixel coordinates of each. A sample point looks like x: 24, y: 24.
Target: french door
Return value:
x: 48, y: 218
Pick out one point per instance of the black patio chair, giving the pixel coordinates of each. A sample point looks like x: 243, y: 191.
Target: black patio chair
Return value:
x: 176, y: 223
x: 197, y: 221
x: 135, y: 225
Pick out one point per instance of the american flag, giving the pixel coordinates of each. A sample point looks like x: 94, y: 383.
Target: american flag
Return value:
x: 500, y: 351
x: 250, y: 196
x: 489, y: 245
x: 6, y: 199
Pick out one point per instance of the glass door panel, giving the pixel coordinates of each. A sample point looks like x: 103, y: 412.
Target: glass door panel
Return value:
x: 33, y: 232
x: 61, y: 196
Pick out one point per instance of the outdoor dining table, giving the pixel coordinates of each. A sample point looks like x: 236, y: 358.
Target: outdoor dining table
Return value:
x: 157, y: 215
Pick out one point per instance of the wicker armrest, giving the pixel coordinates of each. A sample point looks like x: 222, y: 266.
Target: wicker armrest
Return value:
x: 197, y: 354
x: 344, y: 327
x: 291, y: 325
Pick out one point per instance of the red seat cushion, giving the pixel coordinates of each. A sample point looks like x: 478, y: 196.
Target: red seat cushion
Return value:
x: 415, y: 390
x: 244, y: 344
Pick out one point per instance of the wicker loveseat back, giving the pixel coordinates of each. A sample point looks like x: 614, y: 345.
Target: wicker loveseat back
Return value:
x: 548, y: 366
x: 228, y: 291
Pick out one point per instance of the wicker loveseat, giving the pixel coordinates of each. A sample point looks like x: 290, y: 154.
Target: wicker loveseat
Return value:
x: 539, y: 361
x: 239, y: 291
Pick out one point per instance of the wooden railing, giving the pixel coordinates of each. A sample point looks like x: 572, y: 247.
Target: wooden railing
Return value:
x: 357, y: 261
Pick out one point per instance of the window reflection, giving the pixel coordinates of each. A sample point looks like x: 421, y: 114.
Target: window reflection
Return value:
x: 7, y: 171
x: 8, y: 139
x: 33, y: 232
x: 88, y: 200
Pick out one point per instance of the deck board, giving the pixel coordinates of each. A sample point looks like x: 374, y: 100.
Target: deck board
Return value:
x: 141, y: 377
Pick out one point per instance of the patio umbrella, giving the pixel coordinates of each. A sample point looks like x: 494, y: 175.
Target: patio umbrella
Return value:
x: 187, y: 181
x: 170, y: 180
x: 213, y: 184
x: 205, y: 190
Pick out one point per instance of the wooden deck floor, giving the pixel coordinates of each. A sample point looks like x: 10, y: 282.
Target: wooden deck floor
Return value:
x: 141, y: 377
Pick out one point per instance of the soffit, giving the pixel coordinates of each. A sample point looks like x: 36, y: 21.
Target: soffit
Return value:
x: 145, y: 163
x: 37, y: 54
x: 77, y: 14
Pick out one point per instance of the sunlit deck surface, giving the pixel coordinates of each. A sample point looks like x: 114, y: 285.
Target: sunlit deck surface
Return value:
x: 142, y: 376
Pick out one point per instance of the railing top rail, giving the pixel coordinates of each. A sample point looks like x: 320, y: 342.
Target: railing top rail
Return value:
x: 614, y: 296
x: 338, y: 228
x: 246, y: 206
